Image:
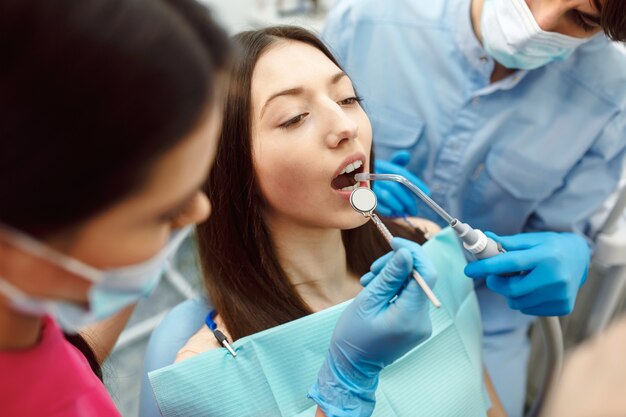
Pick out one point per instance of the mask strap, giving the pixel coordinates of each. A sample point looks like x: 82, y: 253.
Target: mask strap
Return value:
x: 40, y: 250
x: 17, y: 296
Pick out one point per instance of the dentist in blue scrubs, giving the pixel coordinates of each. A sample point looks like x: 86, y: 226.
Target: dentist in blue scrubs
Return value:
x: 512, y: 113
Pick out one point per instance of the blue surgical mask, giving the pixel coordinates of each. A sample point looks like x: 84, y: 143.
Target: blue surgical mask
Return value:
x: 512, y: 36
x: 113, y: 289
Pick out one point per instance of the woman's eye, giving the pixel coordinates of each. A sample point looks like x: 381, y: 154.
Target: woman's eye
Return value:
x: 581, y: 22
x: 175, y: 214
x: 350, y: 101
x: 294, y: 121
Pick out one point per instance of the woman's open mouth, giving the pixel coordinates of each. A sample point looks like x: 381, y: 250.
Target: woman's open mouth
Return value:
x: 345, y: 180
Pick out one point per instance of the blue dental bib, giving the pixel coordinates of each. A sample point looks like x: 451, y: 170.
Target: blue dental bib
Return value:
x: 275, y: 368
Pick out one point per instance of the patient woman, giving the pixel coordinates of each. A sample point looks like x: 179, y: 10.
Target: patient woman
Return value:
x: 283, y: 241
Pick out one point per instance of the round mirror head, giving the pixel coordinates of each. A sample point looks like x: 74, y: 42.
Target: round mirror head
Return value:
x: 363, y: 200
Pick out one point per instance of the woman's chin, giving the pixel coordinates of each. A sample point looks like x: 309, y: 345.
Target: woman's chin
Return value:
x: 353, y: 221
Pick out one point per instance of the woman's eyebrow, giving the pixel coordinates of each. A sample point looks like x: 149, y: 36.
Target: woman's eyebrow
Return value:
x: 289, y: 92
x: 294, y: 91
x: 335, y: 78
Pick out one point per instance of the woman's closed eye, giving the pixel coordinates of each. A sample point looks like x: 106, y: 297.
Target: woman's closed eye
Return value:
x: 350, y: 101
x: 173, y: 215
x: 586, y: 22
x: 297, y: 120
x: 294, y: 121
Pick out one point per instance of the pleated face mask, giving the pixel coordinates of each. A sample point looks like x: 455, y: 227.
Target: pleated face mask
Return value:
x: 113, y: 289
x: 512, y: 36
x: 275, y: 368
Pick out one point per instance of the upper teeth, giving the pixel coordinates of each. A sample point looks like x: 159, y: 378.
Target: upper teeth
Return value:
x: 351, y: 167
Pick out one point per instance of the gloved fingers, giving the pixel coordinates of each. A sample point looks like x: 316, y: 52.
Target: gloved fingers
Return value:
x: 401, y: 158
x: 553, y: 294
x: 375, y: 269
x: 417, y: 181
x: 511, y: 287
x: 421, y: 262
x: 520, y: 241
x: 559, y: 308
x: 380, y: 262
x: 367, y: 278
x: 388, y: 203
x: 385, y: 167
x: 388, y: 167
x: 403, y: 196
x: 410, y: 298
x: 385, y: 211
x: 384, y: 286
x: 504, y: 264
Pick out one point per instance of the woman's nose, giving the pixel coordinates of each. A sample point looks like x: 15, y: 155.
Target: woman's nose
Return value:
x: 550, y: 16
x: 341, y: 126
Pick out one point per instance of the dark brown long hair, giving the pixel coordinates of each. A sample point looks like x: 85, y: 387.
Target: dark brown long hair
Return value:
x: 93, y: 92
x: 243, y: 276
x: 613, y: 18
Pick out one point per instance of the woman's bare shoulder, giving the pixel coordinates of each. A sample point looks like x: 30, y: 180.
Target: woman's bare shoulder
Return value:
x: 200, y: 342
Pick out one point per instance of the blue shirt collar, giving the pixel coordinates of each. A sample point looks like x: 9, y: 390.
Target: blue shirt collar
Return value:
x: 465, y: 38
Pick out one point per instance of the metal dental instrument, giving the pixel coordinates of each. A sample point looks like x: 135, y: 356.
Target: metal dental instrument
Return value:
x: 474, y: 240
x: 364, y: 201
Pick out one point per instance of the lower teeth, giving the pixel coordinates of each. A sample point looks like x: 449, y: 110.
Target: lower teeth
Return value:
x: 350, y: 188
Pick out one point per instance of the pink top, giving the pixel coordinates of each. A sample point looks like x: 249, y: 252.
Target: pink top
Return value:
x: 51, y: 379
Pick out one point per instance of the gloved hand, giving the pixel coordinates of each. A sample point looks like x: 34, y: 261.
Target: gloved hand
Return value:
x: 394, y: 199
x: 554, y: 267
x: 372, y: 332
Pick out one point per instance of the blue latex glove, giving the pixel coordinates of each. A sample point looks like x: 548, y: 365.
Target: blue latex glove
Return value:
x: 372, y: 333
x: 554, y: 267
x: 394, y: 199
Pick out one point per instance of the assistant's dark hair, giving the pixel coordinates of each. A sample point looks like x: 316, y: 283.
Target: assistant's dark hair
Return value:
x: 91, y: 93
x: 243, y: 276
x: 613, y: 18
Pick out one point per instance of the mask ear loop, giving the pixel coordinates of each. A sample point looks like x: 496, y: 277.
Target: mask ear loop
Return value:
x: 14, y: 294
x: 34, y: 247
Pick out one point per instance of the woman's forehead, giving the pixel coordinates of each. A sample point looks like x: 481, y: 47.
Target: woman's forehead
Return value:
x: 291, y: 64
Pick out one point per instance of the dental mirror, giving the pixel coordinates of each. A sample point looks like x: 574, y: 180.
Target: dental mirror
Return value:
x: 363, y: 200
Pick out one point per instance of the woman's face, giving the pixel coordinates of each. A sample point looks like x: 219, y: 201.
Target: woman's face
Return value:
x: 577, y: 18
x: 308, y: 130
x: 134, y: 229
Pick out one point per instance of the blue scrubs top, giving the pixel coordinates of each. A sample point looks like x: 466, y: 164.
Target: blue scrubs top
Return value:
x: 539, y: 150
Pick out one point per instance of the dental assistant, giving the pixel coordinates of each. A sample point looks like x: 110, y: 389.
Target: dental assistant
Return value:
x: 109, y: 117
x: 512, y: 112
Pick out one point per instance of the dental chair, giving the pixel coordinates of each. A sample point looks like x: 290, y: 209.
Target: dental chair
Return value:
x: 182, y: 322
x: 602, y: 300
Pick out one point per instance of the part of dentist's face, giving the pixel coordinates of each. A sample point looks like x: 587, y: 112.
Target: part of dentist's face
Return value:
x: 577, y: 18
x: 310, y: 136
x: 135, y: 228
